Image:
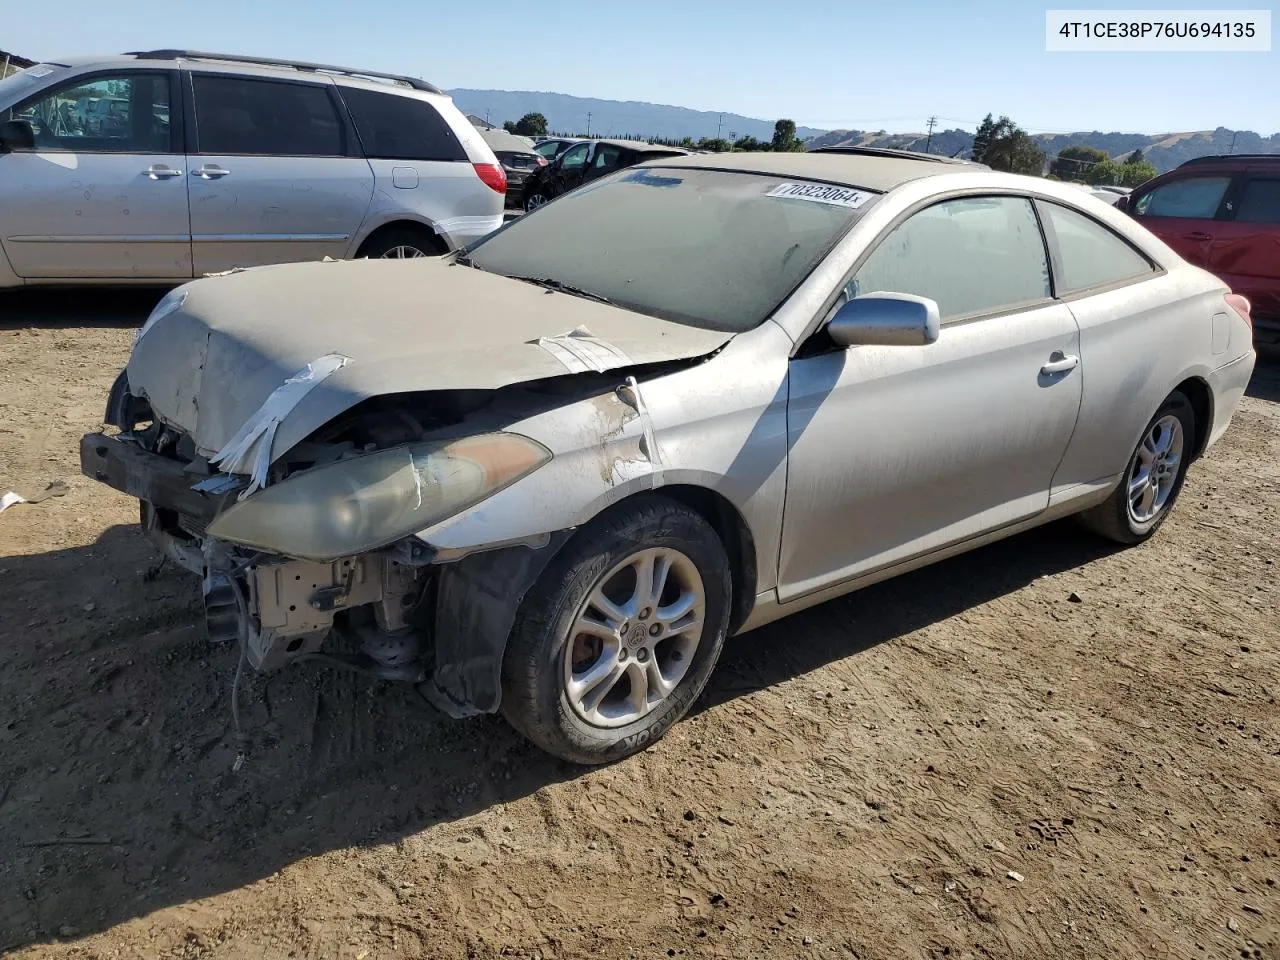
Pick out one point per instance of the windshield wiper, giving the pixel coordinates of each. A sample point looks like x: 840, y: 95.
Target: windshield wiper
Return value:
x: 561, y: 287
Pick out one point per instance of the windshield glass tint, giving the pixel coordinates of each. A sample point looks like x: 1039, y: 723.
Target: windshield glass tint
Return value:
x: 706, y: 248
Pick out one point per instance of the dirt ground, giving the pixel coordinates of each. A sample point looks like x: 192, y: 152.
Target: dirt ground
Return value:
x: 1044, y: 749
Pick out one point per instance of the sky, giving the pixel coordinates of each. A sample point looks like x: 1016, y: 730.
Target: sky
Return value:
x: 825, y: 64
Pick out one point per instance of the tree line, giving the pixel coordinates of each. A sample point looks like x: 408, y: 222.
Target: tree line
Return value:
x: 1000, y: 144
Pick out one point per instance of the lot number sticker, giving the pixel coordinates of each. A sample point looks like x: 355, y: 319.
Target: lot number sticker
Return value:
x: 821, y: 193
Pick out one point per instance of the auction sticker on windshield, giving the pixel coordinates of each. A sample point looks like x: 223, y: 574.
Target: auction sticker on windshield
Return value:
x: 821, y: 193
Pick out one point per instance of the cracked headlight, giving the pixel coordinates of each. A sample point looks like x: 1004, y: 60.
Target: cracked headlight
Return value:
x: 356, y: 505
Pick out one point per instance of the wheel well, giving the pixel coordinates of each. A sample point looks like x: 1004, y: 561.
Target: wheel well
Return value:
x: 411, y: 226
x: 1197, y: 391
x: 733, y: 532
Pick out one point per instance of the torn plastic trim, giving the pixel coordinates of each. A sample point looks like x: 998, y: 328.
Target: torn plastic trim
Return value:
x: 581, y: 352
x: 477, y: 600
x: 249, y: 451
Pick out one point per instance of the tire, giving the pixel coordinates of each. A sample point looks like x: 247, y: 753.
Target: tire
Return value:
x: 401, y: 243
x: 1135, y: 510
x: 552, y: 700
x: 534, y: 200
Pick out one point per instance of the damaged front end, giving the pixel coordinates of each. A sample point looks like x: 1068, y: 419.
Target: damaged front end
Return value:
x: 318, y: 560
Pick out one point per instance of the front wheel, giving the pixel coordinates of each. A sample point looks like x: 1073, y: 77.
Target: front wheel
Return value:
x: 619, y: 636
x: 1153, y: 479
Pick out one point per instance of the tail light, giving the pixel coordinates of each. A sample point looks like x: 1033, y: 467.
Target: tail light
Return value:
x: 1241, y: 306
x: 494, y: 177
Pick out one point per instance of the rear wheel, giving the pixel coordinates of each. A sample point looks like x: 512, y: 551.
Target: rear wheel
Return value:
x: 401, y: 243
x: 1153, y: 479
x: 534, y: 200
x: 620, y: 635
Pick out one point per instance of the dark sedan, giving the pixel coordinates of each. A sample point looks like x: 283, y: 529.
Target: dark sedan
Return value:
x: 587, y: 161
x: 518, y: 160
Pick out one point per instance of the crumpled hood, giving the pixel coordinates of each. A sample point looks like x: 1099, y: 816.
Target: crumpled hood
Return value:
x: 208, y: 367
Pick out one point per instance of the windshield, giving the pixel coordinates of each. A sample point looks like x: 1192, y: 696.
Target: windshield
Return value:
x: 15, y: 86
x: 707, y: 248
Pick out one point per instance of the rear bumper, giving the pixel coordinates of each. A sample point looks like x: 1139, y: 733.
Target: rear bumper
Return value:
x: 1228, y: 384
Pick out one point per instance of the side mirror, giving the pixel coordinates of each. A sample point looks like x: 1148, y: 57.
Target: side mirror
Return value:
x: 1122, y: 203
x: 886, y: 319
x: 17, y: 135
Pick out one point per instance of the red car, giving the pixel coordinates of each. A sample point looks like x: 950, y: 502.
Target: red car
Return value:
x: 1223, y: 213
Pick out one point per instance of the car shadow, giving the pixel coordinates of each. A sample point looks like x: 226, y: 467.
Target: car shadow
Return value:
x: 124, y: 787
x: 1265, y: 382
x: 54, y: 308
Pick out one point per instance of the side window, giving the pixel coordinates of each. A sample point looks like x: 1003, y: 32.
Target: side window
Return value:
x: 392, y: 127
x: 124, y: 114
x: 973, y: 255
x: 548, y: 149
x: 1259, y: 202
x: 239, y: 116
x: 607, y: 158
x: 1195, y: 198
x: 575, y: 158
x: 1092, y: 255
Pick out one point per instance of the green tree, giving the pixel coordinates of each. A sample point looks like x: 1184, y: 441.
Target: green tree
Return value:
x: 509, y: 126
x: 1136, y: 169
x: 750, y: 144
x: 982, y: 138
x: 1074, y: 163
x: 1104, y: 174
x: 531, y: 125
x: 714, y: 144
x: 1010, y: 148
x: 784, y: 137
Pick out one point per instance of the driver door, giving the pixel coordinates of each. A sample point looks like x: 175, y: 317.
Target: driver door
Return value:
x: 570, y: 169
x: 897, y: 452
x: 103, y: 192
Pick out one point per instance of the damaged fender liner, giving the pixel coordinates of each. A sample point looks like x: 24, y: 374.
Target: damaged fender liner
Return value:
x: 477, y: 600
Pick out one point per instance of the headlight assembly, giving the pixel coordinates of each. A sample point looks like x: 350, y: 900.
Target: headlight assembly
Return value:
x: 356, y: 505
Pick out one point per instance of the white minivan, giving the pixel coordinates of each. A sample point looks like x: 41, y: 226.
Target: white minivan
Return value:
x: 169, y: 164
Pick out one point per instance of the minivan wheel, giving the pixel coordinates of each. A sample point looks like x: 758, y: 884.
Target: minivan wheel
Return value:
x: 1153, y: 478
x: 401, y: 243
x: 619, y: 636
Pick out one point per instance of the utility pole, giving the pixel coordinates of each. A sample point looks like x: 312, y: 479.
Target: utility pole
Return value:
x: 1232, y: 149
x: 588, y: 123
x: 929, y: 142
x: 719, y: 124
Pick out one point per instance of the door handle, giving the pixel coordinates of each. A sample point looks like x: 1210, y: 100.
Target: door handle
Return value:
x: 210, y: 171
x: 1197, y: 235
x: 1060, y: 363
x: 159, y: 171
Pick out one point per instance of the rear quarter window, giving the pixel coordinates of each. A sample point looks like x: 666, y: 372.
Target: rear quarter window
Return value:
x: 1091, y: 255
x: 392, y: 127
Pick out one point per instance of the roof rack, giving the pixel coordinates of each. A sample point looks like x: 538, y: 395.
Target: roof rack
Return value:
x: 167, y: 54
x: 1219, y: 157
x: 890, y: 152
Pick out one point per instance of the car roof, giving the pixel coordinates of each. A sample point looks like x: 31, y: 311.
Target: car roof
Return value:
x: 640, y: 146
x: 879, y: 173
x: 1235, y: 161
x: 258, y: 66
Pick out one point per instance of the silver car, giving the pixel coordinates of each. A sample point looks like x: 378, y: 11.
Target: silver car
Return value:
x: 167, y: 165
x: 550, y: 474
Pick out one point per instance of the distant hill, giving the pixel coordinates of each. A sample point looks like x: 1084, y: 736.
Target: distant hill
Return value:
x: 566, y: 114
x: 1165, y: 150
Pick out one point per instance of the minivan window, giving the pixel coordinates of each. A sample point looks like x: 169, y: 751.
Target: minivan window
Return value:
x: 128, y: 113
x: 972, y: 255
x: 1194, y: 198
x: 1259, y: 201
x: 707, y: 248
x: 1092, y: 256
x: 392, y: 127
x: 247, y: 117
